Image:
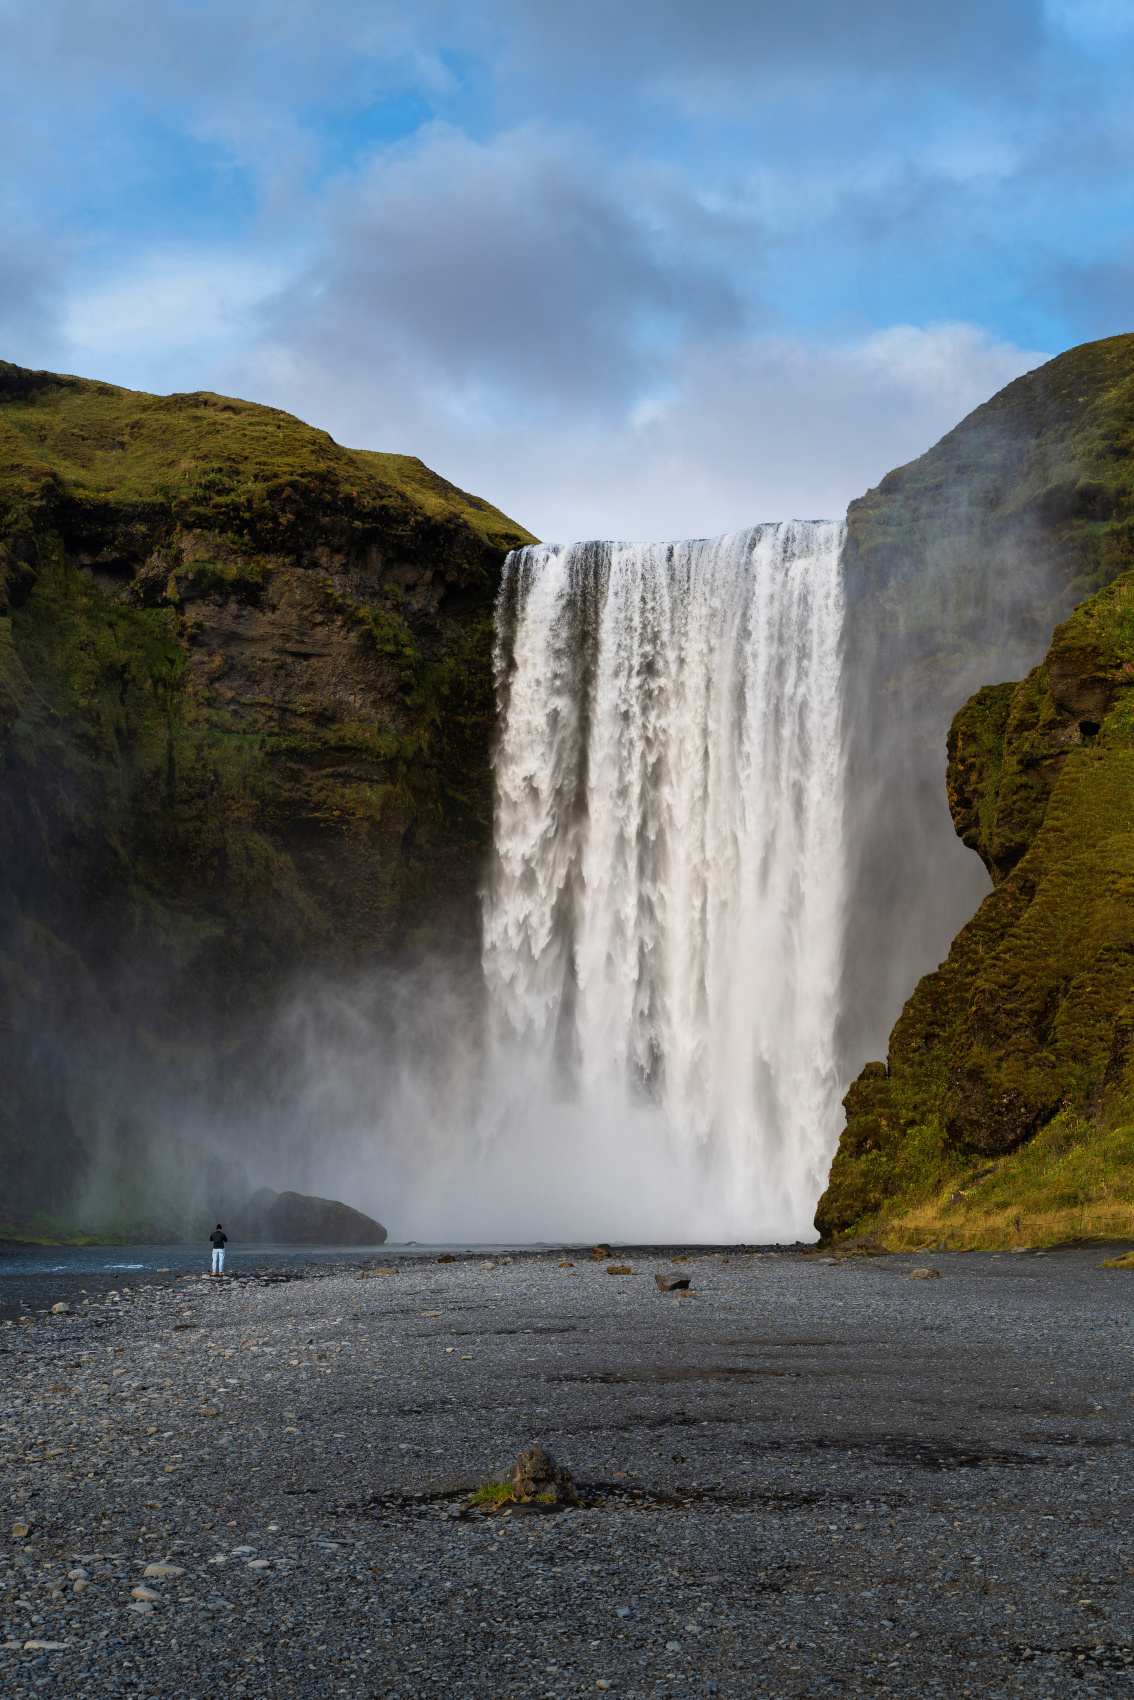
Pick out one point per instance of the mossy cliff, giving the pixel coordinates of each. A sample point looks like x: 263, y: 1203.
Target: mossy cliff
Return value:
x: 245, y: 709
x: 1002, y: 1110
x: 958, y: 566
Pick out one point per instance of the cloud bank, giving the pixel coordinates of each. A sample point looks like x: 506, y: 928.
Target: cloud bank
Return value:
x: 644, y: 269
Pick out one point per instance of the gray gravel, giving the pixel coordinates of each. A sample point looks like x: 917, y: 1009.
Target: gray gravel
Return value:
x: 801, y: 1478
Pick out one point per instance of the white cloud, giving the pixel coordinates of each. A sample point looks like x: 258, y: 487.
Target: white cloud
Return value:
x: 166, y: 314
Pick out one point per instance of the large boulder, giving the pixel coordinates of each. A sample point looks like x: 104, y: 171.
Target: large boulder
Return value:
x: 294, y: 1218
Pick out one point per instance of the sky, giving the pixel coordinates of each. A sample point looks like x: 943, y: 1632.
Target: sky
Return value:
x: 650, y: 269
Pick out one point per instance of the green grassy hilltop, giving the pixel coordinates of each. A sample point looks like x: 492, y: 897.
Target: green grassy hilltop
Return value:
x: 246, y: 701
x: 1005, y: 1109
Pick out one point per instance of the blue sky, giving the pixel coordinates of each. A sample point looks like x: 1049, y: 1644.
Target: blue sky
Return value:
x: 655, y: 268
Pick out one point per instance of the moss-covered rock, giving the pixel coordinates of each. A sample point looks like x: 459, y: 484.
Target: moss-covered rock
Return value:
x: 1029, y: 1016
x: 246, y: 704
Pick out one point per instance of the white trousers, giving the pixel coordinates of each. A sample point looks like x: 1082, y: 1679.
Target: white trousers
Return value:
x: 218, y: 1260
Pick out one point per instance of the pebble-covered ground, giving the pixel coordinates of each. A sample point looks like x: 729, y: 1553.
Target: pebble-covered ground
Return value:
x: 801, y: 1478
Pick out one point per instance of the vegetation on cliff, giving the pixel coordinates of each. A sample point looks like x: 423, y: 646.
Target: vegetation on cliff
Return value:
x: 246, y: 704
x: 1006, y: 1105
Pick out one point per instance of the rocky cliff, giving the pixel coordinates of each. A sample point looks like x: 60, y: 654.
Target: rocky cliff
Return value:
x: 245, y: 709
x: 1000, y: 1111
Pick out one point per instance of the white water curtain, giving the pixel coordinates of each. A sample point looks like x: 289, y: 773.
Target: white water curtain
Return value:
x: 663, y: 919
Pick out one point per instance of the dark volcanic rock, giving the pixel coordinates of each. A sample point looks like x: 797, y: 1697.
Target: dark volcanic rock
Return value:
x: 294, y: 1218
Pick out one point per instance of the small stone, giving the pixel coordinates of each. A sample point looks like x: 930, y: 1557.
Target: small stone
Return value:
x: 622, y: 1611
x: 77, y: 1575
x: 488, y: 1266
x: 601, y: 1684
x: 672, y: 1283
x: 61, y: 1309
x: 619, y: 1269
x: 80, y: 1587
x: 566, y: 1265
x: 163, y: 1570
x: 19, y: 1531
x: 673, y: 1646
x: 258, y: 1563
x: 141, y: 1605
x: 925, y: 1274
x: 141, y: 1593
x: 448, y: 1258
x: 46, y: 1646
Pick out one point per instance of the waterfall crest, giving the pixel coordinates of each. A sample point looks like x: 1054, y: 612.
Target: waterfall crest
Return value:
x: 663, y: 917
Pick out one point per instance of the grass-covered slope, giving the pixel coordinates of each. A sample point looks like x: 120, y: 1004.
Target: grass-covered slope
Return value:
x: 245, y: 710
x: 1006, y: 1106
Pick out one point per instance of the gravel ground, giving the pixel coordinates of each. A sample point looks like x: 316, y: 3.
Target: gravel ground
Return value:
x: 801, y: 1478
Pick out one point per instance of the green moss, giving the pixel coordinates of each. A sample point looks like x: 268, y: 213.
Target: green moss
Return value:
x: 492, y: 1494
x: 438, y: 497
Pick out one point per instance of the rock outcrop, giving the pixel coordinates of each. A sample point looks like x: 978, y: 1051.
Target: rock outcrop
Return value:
x: 294, y: 1218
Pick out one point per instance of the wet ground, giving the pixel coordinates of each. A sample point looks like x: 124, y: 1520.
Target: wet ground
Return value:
x: 801, y: 1478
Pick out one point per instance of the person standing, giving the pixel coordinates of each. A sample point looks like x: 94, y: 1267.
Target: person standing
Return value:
x: 218, y: 1239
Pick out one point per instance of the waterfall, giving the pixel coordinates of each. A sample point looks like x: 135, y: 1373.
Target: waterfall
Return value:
x: 663, y: 916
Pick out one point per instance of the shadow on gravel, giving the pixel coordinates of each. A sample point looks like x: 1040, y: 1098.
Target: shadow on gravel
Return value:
x: 911, y: 1451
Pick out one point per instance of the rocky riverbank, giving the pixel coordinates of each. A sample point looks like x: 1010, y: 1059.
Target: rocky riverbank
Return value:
x: 801, y: 1477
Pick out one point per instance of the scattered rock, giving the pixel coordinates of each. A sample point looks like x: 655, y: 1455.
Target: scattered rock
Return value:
x: 448, y: 1258
x: 163, y: 1570
x: 61, y: 1309
x: 599, y: 1252
x: 619, y: 1269
x: 20, y: 1531
x: 77, y: 1575
x: 925, y: 1274
x: 566, y: 1265
x: 141, y: 1593
x: 536, y: 1475
x: 673, y: 1283
x: 80, y: 1587
x: 46, y: 1646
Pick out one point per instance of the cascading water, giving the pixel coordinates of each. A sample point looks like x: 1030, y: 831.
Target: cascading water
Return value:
x: 663, y: 920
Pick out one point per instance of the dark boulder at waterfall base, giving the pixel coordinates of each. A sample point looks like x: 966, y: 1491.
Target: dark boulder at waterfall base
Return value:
x: 293, y: 1218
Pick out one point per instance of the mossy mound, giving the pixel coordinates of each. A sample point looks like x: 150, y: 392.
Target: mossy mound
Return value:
x: 246, y: 704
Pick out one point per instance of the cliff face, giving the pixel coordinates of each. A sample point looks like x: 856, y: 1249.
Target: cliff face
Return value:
x: 1024, y: 1030
x: 958, y: 566
x: 245, y: 709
